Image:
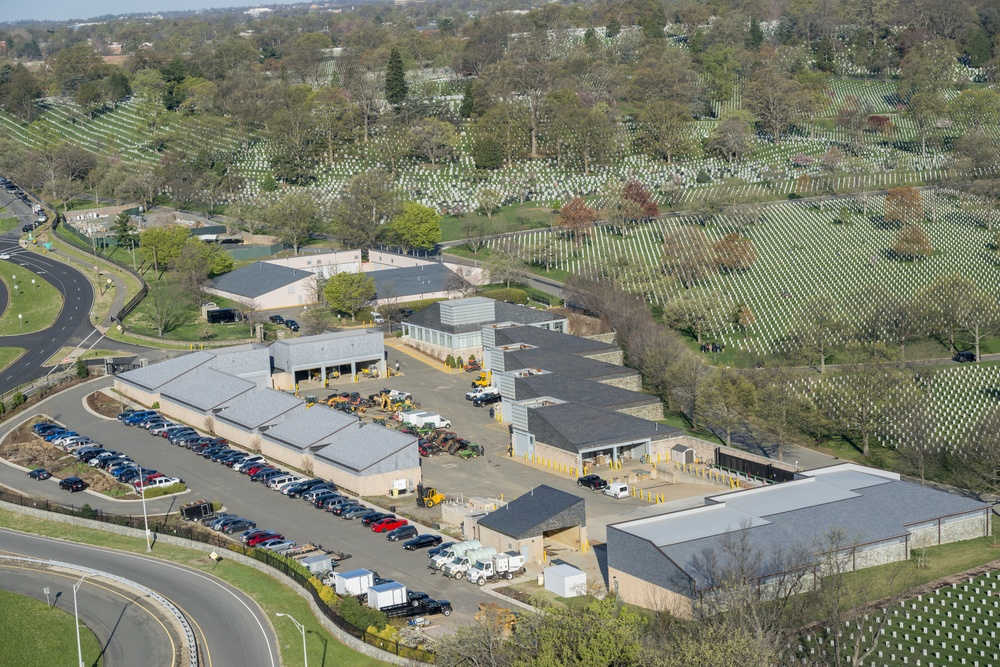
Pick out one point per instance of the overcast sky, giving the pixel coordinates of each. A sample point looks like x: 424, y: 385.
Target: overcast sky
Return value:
x: 60, y: 10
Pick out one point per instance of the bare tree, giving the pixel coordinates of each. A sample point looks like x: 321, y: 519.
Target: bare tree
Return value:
x: 692, y: 378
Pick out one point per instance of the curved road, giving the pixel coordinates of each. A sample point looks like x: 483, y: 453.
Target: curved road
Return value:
x: 231, y: 628
x: 129, y: 627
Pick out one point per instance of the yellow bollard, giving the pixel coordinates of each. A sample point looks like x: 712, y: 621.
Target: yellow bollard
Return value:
x: 657, y: 457
x: 501, y: 497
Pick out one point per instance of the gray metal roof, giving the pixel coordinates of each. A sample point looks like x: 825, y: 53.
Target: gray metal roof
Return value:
x: 303, y: 427
x: 565, y: 364
x: 553, y: 340
x: 430, y: 317
x: 205, y: 388
x: 156, y: 375
x: 411, y: 280
x: 242, y: 360
x: 534, y: 512
x: 868, y: 505
x: 371, y: 450
x: 257, y: 407
x: 575, y: 428
x: 328, y: 349
x: 257, y: 279
x: 577, y: 390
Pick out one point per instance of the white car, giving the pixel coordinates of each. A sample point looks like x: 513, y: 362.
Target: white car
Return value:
x: 4, y: 255
x: 277, y: 546
x: 287, y: 483
x: 158, y: 430
x: 477, y: 392
x: 162, y: 481
x: 240, y: 467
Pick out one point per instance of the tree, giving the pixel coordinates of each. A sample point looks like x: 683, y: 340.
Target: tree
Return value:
x: 817, y: 329
x: 775, y: 98
x: 733, y: 253
x: 946, y: 304
x: 504, y: 263
x: 507, y: 125
x: 692, y: 381
x: 396, y: 89
x: 918, y: 442
x: 687, y: 255
x: 123, y: 230
x: 577, y: 219
x: 731, y: 139
x: 781, y: 407
x: 92, y: 96
x: 293, y: 217
x: 664, y: 129
x: 163, y: 245
x: 979, y: 317
x: 977, y: 462
x: 349, y: 292
x: 853, y: 118
x: 164, y: 308
x: 912, y: 244
x: 368, y: 203
x: 434, y: 139
x: 417, y: 226
x: 197, y: 262
x: 926, y: 109
x: 636, y: 193
x: 489, y: 201
x: 696, y: 313
x: 903, y: 206
x: 19, y: 92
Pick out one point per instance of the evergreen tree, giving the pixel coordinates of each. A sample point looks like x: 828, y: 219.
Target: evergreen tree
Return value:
x: 395, y: 79
x: 465, y: 108
x: 756, y: 36
x: 123, y: 230
x: 613, y: 29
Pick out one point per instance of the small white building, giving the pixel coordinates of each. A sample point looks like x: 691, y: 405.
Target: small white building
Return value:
x: 565, y: 581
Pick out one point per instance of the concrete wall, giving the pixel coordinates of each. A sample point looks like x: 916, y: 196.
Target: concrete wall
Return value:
x: 642, y: 593
x: 233, y: 434
x: 183, y: 413
x: 501, y: 542
x: 281, y: 453
x: 364, y: 485
x: 952, y: 529
x: 140, y: 396
x: 559, y: 457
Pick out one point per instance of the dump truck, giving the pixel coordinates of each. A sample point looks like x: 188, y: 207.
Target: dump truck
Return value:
x: 456, y: 550
x: 462, y: 564
x: 498, y: 566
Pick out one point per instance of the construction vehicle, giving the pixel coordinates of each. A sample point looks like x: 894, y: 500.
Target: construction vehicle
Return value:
x: 370, y: 372
x: 452, y: 552
x: 472, y: 365
x: 485, y: 379
x: 496, y: 567
x: 460, y: 565
x: 428, y: 496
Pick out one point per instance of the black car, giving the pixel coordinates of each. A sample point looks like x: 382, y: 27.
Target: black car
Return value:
x: 39, y: 474
x: 238, y: 526
x: 486, y: 399
x: 277, y: 319
x: 401, y: 533
x: 377, y: 516
x: 415, y: 598
x: 592, y: 482
x: 73, y: 484
x: 439, y: 549
x: 962, y: 357
x: 436, y: 607
x: 292, y: 324
x: 422, y: 542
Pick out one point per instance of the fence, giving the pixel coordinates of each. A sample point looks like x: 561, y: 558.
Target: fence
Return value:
x: 34, y: 386
x: 159, y: 524
x: 254, y: 252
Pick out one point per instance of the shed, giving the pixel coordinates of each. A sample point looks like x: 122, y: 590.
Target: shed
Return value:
x: 355, y: 582
x: 565, y: 581
x: 318, y: 564
x: 541, y: 517
x: 682, y: 454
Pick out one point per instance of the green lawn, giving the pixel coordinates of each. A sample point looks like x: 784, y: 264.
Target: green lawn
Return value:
x: 271, y: 594
x: 7, y: 224
x: 34, y: 635
x: 38, y: 303
x: 192, y: 327
x: 9, y: 355
x: 508, y: 219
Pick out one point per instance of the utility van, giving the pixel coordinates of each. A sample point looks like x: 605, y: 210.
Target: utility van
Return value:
x: 616, y: 490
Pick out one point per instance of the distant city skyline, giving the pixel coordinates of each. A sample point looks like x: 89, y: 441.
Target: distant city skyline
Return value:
x: 64, y: 10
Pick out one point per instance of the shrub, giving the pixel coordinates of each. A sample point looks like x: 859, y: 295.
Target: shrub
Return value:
x: 17, y: 400
x: 459, y: 362
x: 327, y: 595
x: 88, y: 512
x: 487, y: 154
x: 450, y: 361
x: 81, y: 369
x: 794, y: 195
x: 361, y: 616
x: 510, y: 294
x: 703, y: 177
x: 155, y: 406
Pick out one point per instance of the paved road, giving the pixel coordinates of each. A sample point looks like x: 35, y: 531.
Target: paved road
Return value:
x: 129, y: 627
x: 231, y: 628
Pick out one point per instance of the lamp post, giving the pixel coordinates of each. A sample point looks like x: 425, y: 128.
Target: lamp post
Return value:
x: 302, y: 629
x: 76, y: 618
x: 145, y: 517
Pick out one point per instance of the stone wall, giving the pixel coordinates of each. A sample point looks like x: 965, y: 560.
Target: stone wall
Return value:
x: 349, y: 640
x: 616, y: 357
x: 652, y: 412
x: 631, y: 382
x: 560, y: 458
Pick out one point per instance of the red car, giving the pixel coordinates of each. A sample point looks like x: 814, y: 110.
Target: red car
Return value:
x: 254, y: 468
x: 388, y: 524
x: 264, y: 537
x: 147, y: 479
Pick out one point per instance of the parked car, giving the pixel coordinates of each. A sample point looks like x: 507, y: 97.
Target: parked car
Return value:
x: 277, y: 545
x: 266, y: 535
x: 162, y: 428
x: 238, y: 525
x: 387, y: 524
x: 250, y: 461
x: 219, y: 521
x: 967, y: 355
x: 486, y: 399
x: 43, y: 426
x: 401, y: 533
x: 72, y: 484
x: 343, y: 507
x: 136, y: 417
x: 276, y: 319
x: 297, y: 489
x: 310, y: 495
x: 157, y: 482
x: 351, y: 513
x: 376, y: 517
x: 422, y: 542
x: 247, y: 535
x: 39, y: 474
x: 592, y: 482
x: 319, y: 500
x: 291, y: 324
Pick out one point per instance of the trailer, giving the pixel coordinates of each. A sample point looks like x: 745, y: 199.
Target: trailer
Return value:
x: 355, y: 582
x: 426, y: 607
x: 389, y: 594
x: 318, y: 564
x: 496, y: 567
x: 196, y: 511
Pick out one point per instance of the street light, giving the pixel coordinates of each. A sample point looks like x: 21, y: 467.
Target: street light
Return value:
x: 76, y: 617
x: 145, y: 517
x: 302, y: 629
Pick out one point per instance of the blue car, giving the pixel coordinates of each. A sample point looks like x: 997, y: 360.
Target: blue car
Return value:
x: 137, y: 417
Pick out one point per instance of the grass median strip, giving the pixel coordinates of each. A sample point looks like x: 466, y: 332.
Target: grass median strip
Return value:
x: 270, y: 593
x: 9, y: 355
x: 37, y: 303
x: 34, y: 635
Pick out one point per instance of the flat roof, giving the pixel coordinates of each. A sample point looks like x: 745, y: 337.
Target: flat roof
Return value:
x: 258, y: 278
x: 566, y: 364
x: 576, y: 428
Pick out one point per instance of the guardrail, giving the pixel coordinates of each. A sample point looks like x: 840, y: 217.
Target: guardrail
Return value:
x: 159, y: 599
